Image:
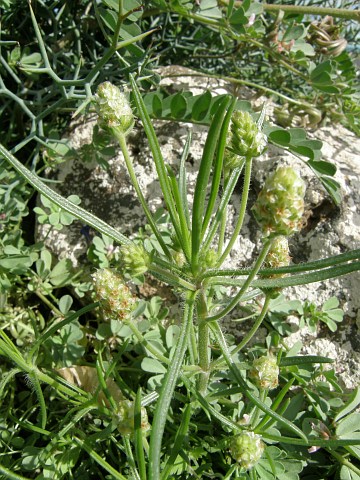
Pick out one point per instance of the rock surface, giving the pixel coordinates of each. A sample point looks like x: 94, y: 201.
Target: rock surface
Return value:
x: 330, y: 230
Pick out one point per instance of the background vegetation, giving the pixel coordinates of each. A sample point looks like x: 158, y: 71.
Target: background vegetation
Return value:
x: 74, y: 385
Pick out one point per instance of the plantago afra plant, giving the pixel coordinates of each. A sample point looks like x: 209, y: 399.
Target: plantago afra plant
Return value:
x: 207, y: 396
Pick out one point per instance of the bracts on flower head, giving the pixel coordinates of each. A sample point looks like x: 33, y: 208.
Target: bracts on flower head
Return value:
x: 113, y: 294
x: 247, y: 449
x: 280, y: 204
x: 113, y: 108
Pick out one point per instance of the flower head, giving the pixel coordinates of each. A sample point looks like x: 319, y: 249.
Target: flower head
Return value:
x: 247, y: 449
x: 136, y: 260
x: 125, y: 416
x: 280, y: 204
x: 113, y: 108
x: 115, y: 297
x: 245, y: 138
x: 265, y: 372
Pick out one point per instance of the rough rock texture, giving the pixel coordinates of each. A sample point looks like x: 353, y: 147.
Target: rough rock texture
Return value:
x: 329, y: 230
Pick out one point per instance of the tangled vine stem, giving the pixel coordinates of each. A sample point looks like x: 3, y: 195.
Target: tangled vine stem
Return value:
x: 308, y: 10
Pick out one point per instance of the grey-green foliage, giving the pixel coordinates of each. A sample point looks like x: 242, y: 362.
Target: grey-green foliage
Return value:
x: 67, y: 429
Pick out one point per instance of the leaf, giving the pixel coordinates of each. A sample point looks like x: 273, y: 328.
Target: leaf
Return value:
x: 238, y: 17
x: 152, y: 365
x: 352, y: 403
x: 254, y: 8
x: 209, y: 8
x: 157, y: 106
x: 332, y: 187
x: 322, y: 167
x: 54, y: 218
x: 347, y: 474
x: 349, y: 427
x: 321, y: 72
x: 303, y: 360
x: 293, y: 32
x: 280, y: 137
x: 61, y: 273
x: 178, y: 106
x: 65, y: 303
x: 201, y: 106
x: 172, y: 334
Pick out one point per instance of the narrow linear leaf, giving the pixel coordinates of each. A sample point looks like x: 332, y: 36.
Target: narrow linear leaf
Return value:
x: 303, y: 360
x: 62, y: 202
x: 352, y: 403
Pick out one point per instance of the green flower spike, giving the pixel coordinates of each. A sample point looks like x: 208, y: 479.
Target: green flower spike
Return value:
x: 113, y: 108
x: 124, y: 418
x: 115, y: 297
x: 265, y: 373
x: 136, y: 260
x: 247, y: 449
x: 246, y: 139
x: 280, y: 204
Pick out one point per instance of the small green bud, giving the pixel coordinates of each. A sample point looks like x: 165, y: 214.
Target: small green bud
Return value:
x: 179, y: 258
x: 232, y: 160
x: 278, y: 256
x: 208, y: 259
x: 246, y: 139
x: 247, y: 449
x: 115, y: 297
x: 136, y: 260
x: 124, y: 417
x: 280, y: 204
x: 113, y: 108
x: 265, y: 372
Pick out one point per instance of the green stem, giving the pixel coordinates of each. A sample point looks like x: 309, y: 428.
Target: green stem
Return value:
x: 302, y: 267
x: 244, y: 386
x: 222, y: 231
x: 154, y: 351
x: 98, y: 459
x: 344, y: 461
x: 171, y: 278
x: 122, y: 142
x: 245, y: 286
x: 243, y: 205
x: 312, y: 10
x: 168, y: 388
x: 48, y: 303
x: 11, y: 475
x: 237, y: 81
x: 43, y: 377
x: 256, y: 414
x: 130, y: 459
x: 184, y: 237
x: 228, y: 190
x: 203, y: 344
x: 256, y: 325
x: 220, y: 361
